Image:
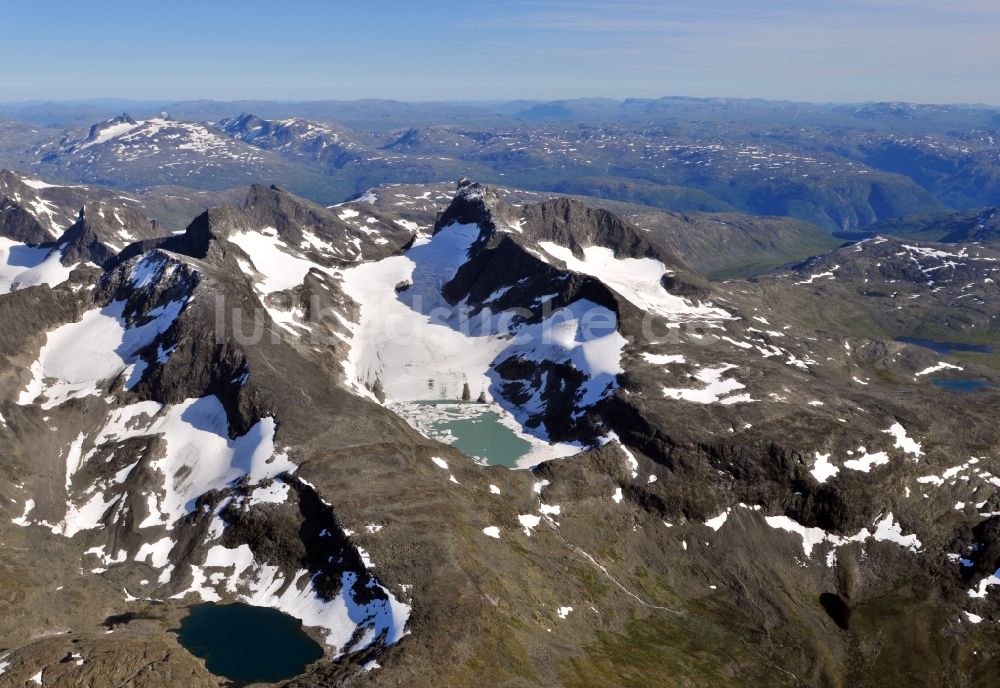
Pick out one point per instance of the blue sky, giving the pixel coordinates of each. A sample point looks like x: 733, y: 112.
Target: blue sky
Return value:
x: 818, y: 50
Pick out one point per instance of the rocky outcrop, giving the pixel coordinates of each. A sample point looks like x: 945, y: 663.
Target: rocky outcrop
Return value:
x: 297, y: 219
x: 20, y: 225
x: 101, y: 230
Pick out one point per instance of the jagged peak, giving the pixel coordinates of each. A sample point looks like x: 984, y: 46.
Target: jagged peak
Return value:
x: 82, y: 243
x: 272, y: 206
x: 123, y: 118
x: 148, y: 281
x: 198, y: 239
x: 263, y: 192
x: 245, y: 121
x: 218, y: 222
x: 576, y: 225
x: 475, y: 203
x: 100, y: 230
x: 9, y: 176
x: 567, y: 223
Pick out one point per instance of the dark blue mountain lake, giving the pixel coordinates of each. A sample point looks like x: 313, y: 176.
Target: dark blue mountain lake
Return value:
x: 248, y: 644
x: 946, y: 347
x: 953, y: 384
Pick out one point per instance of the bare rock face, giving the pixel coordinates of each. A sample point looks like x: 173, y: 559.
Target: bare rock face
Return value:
x: 297, y: 219
x: 19, y: 224
x: 378, y: 391
x: 101, y: 231
x: 475, y: 204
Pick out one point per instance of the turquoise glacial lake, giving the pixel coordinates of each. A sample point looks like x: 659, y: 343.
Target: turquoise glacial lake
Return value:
x: 473, y: 429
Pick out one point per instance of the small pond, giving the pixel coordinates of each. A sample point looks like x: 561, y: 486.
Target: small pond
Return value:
x: 953, y: 384
x: 947, y: 347
x: 248, y: 644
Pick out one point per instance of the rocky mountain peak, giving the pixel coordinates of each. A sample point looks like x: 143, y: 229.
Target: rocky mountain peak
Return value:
x: 215, y: 223
x: 101, y: 231
x: 243, y: 124
x: 477, y: 204
x: 33, y: 211
x: 340, y: 235
x: 120, y: 120
x: 204, y: 239
x: 562, y: 222
x: 82, y: 243
x: 575, y: 225
x: 410, y: 137
x: 270, y: 206
x: 8, y: 180
x: 20, y: 225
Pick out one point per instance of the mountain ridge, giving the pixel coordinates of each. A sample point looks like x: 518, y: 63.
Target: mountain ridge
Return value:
x: 742, y: 476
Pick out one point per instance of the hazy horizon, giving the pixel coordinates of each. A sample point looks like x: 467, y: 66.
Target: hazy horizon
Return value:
x: 483, y: 102
x: 796, y: 50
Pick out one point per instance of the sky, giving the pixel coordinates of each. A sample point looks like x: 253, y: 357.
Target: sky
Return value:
x: 930, y: 51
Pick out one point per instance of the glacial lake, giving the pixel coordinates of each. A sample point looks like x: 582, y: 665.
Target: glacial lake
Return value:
x: 473, y: 429
x: 247, y: 644
x: 946, y: 347
x: 966, y: 386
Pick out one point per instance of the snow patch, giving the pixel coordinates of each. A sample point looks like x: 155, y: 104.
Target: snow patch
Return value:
x: 529, y: 522
x: 936, y: 368
x: 638, y: 280
x: 23, y: 266
x: 79, y: 356
x: 271, y: 257
x: 718, y: 521
x: 823, y: 470
x: 903, y: 441
x: 714, y: 388
x: 865, y: 461
x: 663, y: 359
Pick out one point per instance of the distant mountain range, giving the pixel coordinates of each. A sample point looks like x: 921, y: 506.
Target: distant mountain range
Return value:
x: 381, y: 115
x: 838, y: 167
